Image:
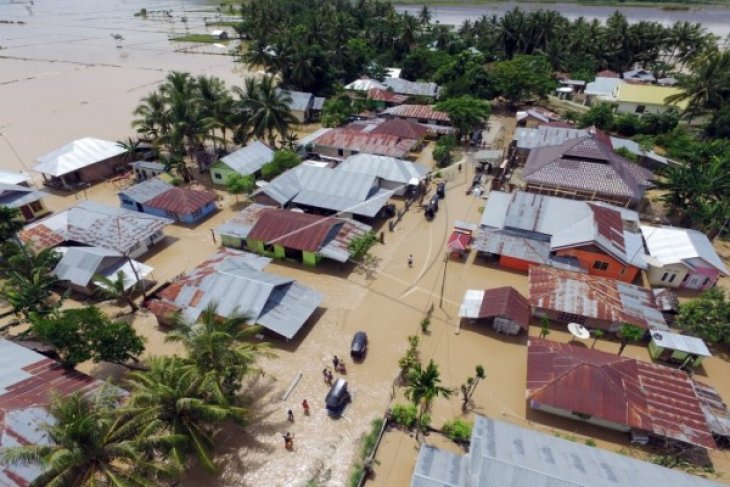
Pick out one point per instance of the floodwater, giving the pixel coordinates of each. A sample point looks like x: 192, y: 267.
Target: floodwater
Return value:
x: 715, y: 18
x: 63, y: 77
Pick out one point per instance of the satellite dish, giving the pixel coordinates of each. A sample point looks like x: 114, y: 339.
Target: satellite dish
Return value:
x: 657, y: 336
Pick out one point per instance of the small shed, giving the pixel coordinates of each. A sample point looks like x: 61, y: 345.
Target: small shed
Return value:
x: 460, y: 239
x: 673, y: 347
x: 219, y: 34
x: 487, y: 160
x: 507, y: 309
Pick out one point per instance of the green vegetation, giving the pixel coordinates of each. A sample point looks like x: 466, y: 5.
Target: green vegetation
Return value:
x: 629, y: 333
x: 590, y: 442
x: 239, y: 184
x: 458, y: 430
x: 27, y: 282
x: 597, y: 334
x: 544, y: 327
x: 410, y: 359
x: 602, y: 116
x: 367, y: 447
x: 466, y: 113
x: 199, y: 38
x: 359, y: 247
x: 404, y: 415
x: 422, y: 389
x: 468, y: 388
x: 522, y: 78
x: 116, y: 289
x: 707, y: 316
x: 283, y: 161
x: 443, y: 153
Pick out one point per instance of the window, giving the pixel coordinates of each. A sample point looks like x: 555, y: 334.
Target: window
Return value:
x: 664, y: 277
x: 640, y: 108
x: 707, y: 280
x: 622, y: 271
x: 671, y: 279
x: 340, y: 152
x: 217, y: 175
x: 36, y: 206
x: 601, y: 266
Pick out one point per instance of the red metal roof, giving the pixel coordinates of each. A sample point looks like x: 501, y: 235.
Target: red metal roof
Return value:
x: 379, y: 144
x: 506, y: 301
x: 459, y: 241
x: 405, y: 129
x: 301, y: 231
x: 610, y: 226
x: 387, y: 96
x: 418, y: 111
x: 182, y: 201
x: 598, y: 298
x: 621, y: 390
x: 607, y: 73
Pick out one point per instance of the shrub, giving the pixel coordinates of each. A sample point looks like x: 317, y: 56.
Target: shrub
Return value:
x: 404, y: 415
x: 425, y: 323
x: 590, y: 442
x: 458, y: 430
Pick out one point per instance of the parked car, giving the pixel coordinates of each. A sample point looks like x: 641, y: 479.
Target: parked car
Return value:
x: 476, y: 181
x: 429, y: 212
x: 359, y: 346
x: 337, y: 398
x: 441, y: 189
x: 434, y: 202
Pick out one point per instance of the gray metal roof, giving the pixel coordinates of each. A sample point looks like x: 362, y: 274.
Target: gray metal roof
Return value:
x: 151, y: 165
x: 94, y: 224
x: 15, y: 196
x: 300, y: 100
x: 530, y: 138
x: 318, y: 103
x: 502, y: 454
x: 411, y: 88
x: 146, y: 190
x: 487, y: 155
x: 674, y: 245
x: 603, y: 87
x: 14, y: 177
x: 76, y: 155
x: 384, y: 167
x: 79, y: 265
x: 634, y: 148
x: 682, y: 343
x: 250, y: 159
x: 242, y: 222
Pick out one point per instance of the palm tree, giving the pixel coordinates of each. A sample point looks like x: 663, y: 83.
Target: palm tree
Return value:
x: 172, y: 396
x: 29, y: 294
x: 424, y: 16
x: 270, y: 111
x: 152, y: 118
x: 91, y: 446
x: 116, y: 289
x: 11, y: 222
x: 423, y: 388
x: 707, y: 88
x: 130, y: 147
x: 629, y: 333
x: 220, y: 348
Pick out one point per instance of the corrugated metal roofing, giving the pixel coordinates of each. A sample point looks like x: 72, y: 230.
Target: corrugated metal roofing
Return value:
x: 503, y: 301
x: 411, y: 88
x: 15, y: 196
x: 27, y: 382
x: 648, y: 94
x: 530, y: 138
x: 151, y: 165
x: 250, y: 159
x: 146, y: 190
x: 381, y: 144
x: 309, y: 138
x: 674, y: 245
x: 76, y: 155
x: 384, y: 167
x: 625, y: 391
x: 93, y: 224
x: 11, y: 177
x: 234, y: 281
x: 79, y: 266
x: 715, y: 409
x: 365, y: 84
x: 594, y: 297
x: 503, y: 454
x: 292, y: 229
x: 242, y: 222
x: 417, y: 111
x: 603, y: 87
x: 379, y: 94
x: 300, y: 101
x: 682, y: 343
x: 182, y: 201
x: 403, y: 128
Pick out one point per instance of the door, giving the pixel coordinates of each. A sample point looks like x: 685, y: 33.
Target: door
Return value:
x: 28, y: 215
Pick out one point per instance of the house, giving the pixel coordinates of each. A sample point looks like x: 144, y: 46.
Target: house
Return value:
x: 327, y: 191
x: 507, y: 309
x: 639, y: 76
x: 615, y: 392
x: 522, y: 230
x: 385, y: 98
x: 684, y: 350
x: 535, y: 116
x: 95, y: 225
x: 592, y: 301
x: 340, y: 143
x: 79, y: 267
x: 86, y: 160
x: 646, y: 98
x: 586, y: 168
x: 303, y: 105
x: 412, y: 88
x: 648, y: 159
x: 602, y: 89
x: 28, y: 201
x: 681, y: 258
x: 30, y: 381
x: 716, y: 412
x: 405, y: 129
x: 246, y: 161
x: 156, y: 197
x: 436, y: 122
x: 365, y: 84
x: 219, y: 34
x: 504, y: 454
x: 15, y: 177
x: 291, y: 235
x: 235, y: 282
x: 144, y: 170
x: 393, y: 174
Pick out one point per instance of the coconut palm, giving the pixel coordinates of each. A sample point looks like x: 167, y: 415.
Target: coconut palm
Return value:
x: 29, y: 294
x: 152, y: 119
x: 707, y: 87
x: 270, y: 112
x: 173, y: 397
x: 423, y: 388
x: 116, y: 288
x: 91, y: 446
x: 220, y: 348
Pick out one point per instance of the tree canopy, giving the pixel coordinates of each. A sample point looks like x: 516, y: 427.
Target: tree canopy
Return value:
x: 707, y: 316
x: 523, y: 78
x: 465, y: 112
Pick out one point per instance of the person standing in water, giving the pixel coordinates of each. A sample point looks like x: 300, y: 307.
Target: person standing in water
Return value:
x: 410, y: 260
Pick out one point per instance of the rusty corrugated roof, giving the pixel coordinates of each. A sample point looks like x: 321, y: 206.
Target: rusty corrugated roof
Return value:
x: 380, y: 144
x: 182, y: 201
x: 595, y: 297
x: 506, y: 301
x: 417, y: 111
x: 301, y: 231
x: 378, y: 94
x: 625, y: 391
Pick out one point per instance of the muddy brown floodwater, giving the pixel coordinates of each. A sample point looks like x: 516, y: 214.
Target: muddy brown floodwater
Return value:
x: 62, y: 77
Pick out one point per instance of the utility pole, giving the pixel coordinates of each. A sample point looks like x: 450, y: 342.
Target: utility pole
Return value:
x: 443, y: 280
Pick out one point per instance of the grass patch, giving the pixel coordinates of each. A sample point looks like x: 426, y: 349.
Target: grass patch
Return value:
x: 367, y: 445
x: 222, y: 23
x: 199, y: 38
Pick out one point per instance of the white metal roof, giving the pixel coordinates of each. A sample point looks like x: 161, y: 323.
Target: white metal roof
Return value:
x: 365, y: 84
x: 674, y: 245
x: 471, y: 303
x: 11, y: 177
x: 250, y: 159
x: 76, y: 155
x: 681, y: 343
